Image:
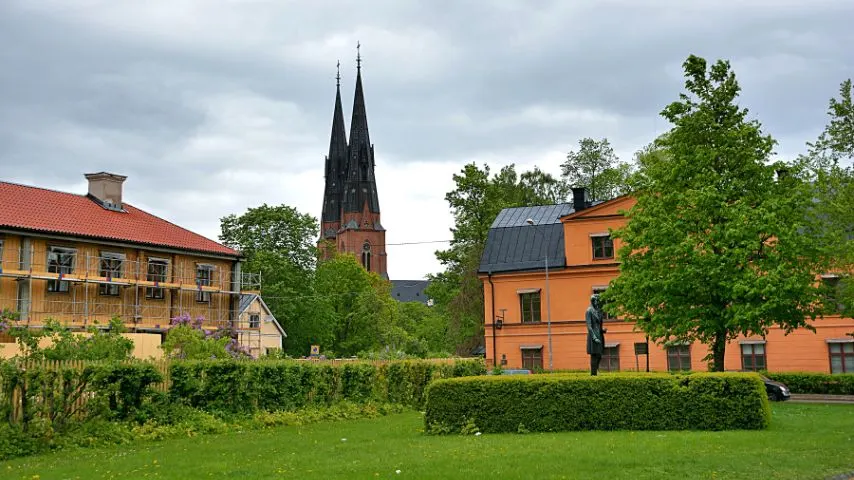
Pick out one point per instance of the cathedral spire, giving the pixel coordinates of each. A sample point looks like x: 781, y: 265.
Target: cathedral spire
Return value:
x: 356, y: 229
x: 361, y: 187
x: 336, y: 161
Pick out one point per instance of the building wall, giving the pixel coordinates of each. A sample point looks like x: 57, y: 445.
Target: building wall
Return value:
x: 83, y: 304
x: 352, y: 241
x: 262, y: 339
x: 802, y: 350
x: 146, y: 345
x: 570, y: 290
x: 578, y: 231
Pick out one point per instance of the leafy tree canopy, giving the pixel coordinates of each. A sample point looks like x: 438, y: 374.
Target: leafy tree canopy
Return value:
x: 57, y: 342
x: 278, y: 241
x: 596, y: 167
x: 829, y: 164
x: 478, y: 197
x: 717, y: 245
x: 272, y: 229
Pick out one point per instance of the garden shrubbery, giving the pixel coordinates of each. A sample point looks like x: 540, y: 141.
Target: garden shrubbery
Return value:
x: 817, y: 383
x: 246, y: 387
x: 45, y: 406
x: 547, y: 403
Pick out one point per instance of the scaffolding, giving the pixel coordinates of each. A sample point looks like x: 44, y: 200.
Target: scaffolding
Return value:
x: 81, y: 290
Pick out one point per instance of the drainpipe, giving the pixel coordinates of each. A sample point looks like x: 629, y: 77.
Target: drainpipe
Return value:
x: 492, y: 304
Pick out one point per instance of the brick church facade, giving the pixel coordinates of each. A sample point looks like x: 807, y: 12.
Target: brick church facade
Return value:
x: 350, y: 219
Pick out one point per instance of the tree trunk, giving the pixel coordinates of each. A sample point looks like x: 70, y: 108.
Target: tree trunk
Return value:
x: 718, y: 351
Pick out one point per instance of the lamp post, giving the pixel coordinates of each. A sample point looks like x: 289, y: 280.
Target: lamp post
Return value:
x: 548, y: 297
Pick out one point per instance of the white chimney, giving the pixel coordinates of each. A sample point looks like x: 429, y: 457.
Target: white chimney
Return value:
x: 106, y: 188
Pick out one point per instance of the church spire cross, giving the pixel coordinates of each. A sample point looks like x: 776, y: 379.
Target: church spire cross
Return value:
x: 358, y: 56
x: 338, y: 75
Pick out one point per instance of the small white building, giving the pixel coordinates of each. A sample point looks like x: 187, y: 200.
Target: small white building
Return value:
x: 257, y: 328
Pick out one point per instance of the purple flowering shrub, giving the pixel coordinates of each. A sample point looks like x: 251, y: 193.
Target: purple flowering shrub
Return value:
x: 188, y: 340
x: 186, y: 320
x: 8, y: 318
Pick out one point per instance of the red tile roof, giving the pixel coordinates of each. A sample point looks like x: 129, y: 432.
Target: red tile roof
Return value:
x: 39, y: 209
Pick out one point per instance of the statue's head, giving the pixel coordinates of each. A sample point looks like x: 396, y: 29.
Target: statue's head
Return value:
x: 594, y: 300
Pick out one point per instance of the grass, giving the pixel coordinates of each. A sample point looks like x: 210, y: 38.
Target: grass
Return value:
x: 804, y: 441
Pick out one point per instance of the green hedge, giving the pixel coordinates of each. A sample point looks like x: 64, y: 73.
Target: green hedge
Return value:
x: 245, y: 387
x: 58, y: 394
x: 562, y: 402
x: 818, y: 383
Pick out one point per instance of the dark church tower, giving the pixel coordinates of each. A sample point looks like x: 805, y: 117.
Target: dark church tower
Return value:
x: 351, y: 189
x: 336, y: 164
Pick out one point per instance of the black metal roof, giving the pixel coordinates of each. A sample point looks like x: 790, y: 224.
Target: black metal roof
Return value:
x: 514, y: 245
x: 409, y: 290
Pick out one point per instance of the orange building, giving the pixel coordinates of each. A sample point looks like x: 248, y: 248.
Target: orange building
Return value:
x: 540, y: 267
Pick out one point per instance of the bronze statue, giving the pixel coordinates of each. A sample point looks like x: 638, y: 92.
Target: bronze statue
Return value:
x: 595, y: 333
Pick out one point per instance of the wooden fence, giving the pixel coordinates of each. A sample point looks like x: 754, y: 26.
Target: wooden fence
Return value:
x: 162, y: 366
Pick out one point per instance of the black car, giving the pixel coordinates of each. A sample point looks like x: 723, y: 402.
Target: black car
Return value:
x: 777, y: 392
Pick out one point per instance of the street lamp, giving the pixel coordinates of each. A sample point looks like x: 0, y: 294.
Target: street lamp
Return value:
x: 548, y: 297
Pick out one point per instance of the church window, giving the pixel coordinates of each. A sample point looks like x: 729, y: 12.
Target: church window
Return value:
x: 366, y: 256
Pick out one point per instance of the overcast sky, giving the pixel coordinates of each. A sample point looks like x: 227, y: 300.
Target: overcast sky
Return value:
x: 214, y: 106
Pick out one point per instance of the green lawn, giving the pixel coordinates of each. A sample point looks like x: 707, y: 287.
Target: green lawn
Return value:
x: 805, y: 441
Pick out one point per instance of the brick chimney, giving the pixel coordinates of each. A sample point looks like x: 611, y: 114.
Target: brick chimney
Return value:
x: 106, y: 188
x: 579, y: 199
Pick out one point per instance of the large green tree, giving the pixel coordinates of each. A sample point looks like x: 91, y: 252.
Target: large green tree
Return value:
x: 278, y: 241
x: 475, y: 201
x: 836, y: 142
x: 596, y: 167
x: 718, y: 244
x: 280, y: 229
x: 829, y: 163
x: 356, y: 313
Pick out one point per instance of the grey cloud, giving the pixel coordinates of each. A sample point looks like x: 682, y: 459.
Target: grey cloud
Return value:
x: 182, y: 95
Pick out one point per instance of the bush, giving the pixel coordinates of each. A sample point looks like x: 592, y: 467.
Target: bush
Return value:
x: 61, y: 395
x: 281, y: 385
x: 546, y: 403
x: 124, y: 386
x: 817, y: 383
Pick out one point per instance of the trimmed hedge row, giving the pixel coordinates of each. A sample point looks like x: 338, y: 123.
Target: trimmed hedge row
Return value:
x: 62, y: 394
x: 562, y: 402
x: 818, y: 383
x: 244, y: 387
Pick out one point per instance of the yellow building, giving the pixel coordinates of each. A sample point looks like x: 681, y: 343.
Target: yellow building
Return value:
x: 84, y: 259
x: 257, y: 328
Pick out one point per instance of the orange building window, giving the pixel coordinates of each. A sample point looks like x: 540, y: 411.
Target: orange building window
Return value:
x: 610, y: 359
x: 603, y: 247
x: 753, y: 357
x: 531, y: 311
x: 679, y: 358
x: 841, y: 357
x: 833, y: 286
x: 532, y: 359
